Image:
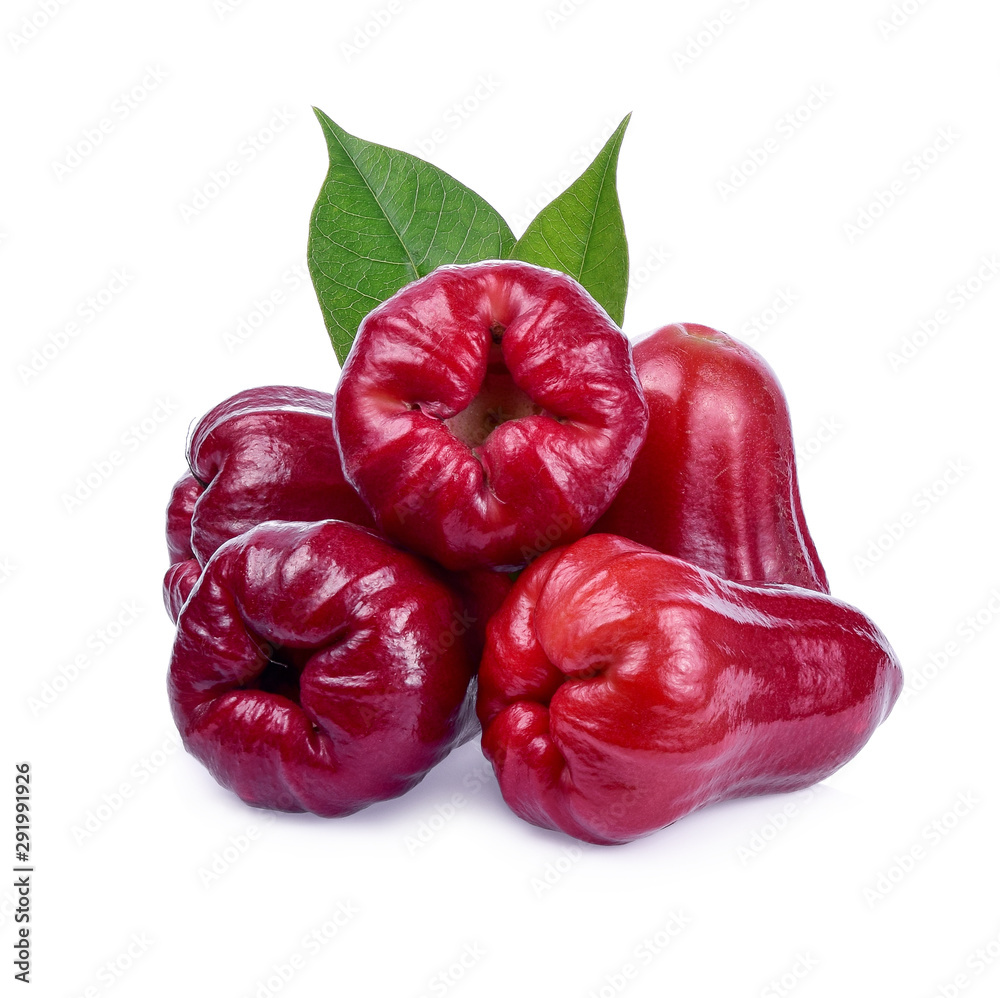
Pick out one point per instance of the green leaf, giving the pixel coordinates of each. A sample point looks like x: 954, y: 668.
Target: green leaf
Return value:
x: 582, y: 232
x: 383, y: 218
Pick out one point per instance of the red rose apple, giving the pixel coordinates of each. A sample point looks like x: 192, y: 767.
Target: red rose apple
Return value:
x: 622, y: 689
x: 316, y: 668
x: 715, y: 482
x: 488, y: 411
x: 263, y: 454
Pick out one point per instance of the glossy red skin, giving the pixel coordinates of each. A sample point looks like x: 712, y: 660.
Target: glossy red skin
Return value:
x: 416, y: 432
x: 263, y: 454
x: 180, y: 511
x: 622, y: 688
x: 178, y: 582
x: 715, y: 483
x: 258, y: 427
x: 379, y: 697
x: 482, y: 593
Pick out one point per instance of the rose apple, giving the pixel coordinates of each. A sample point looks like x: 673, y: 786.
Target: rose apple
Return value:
x: 715, y: 482
x: 263, y: 454
x: 315, y: 668
x: 622, y: 688
x: 488, y: 411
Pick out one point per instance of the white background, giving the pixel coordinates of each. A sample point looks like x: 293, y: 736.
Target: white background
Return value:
x: 882, y: 881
